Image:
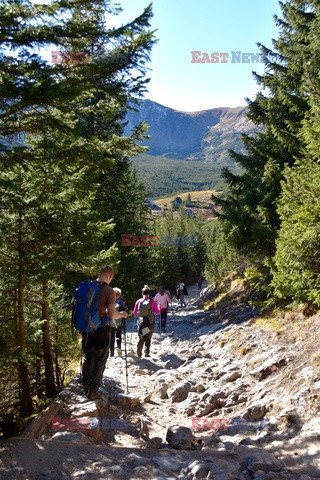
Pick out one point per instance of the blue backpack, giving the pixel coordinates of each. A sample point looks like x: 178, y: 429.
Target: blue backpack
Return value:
x: 85, y: 313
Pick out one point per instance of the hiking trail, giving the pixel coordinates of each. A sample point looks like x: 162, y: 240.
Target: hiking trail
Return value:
x: 253, y: 397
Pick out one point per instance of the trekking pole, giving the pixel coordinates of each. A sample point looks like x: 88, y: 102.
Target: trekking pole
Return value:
x: 125, y: 352
x: 81, y: 366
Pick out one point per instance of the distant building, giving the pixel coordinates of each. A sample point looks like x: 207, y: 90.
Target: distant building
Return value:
x: 152, y: 204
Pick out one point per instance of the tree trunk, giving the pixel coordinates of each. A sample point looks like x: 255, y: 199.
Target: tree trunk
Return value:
x: 38, y: 373
x: 46, y: 342
x: 58, y: 374
x: 26, y: 407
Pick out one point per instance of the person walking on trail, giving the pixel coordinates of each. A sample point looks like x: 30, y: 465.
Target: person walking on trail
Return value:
x: 95, y: 345
x: 200, y: 282
x: 163, y: 301
x: 144, y: 309
x: 153, y: 291
x: 116, y: 324
x: 181, y: 292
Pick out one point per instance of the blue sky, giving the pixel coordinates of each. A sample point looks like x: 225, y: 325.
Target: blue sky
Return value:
x: 207, y: 26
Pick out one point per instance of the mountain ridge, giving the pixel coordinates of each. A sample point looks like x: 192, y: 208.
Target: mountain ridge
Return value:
x: 204, y: 135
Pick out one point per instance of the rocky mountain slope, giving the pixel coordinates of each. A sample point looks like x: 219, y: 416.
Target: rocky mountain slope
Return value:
x: 226, y: 395
x: 201, y: 136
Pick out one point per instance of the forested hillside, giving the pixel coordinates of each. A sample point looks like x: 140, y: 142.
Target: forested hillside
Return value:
x: 165, y: 176
x: 187, y: 150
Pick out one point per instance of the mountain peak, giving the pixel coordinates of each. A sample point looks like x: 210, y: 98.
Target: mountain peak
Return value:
x: 189, y: 135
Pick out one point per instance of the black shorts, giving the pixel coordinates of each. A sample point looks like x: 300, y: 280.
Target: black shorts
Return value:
x: 98, y: 339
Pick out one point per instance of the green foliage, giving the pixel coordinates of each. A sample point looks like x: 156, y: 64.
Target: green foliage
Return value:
x: 249, y: 212
x: 65, y: 340
x: 182, y: 262
x: 296, y: 271
x: 271, y: 213
x: 176, y: 204
x: 121, y: 196
x: 62, y: 127
x: 222, y: 257
x: 295, y: 266
x: 166, y: 176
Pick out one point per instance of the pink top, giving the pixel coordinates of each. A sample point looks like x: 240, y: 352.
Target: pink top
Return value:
x: 154, y: 306
x: 162, y: 300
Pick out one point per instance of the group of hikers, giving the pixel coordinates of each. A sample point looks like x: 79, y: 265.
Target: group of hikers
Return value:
x: 99, y: 342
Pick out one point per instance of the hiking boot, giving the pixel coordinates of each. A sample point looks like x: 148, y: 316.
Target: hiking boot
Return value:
x: 119, y: 352
x: 94, y: 395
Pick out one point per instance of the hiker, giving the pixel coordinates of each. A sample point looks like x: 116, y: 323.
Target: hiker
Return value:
x: 153, y: 292
x: 95, y: 345
x: 200, y: 282
x: 163, y: 301
x: 116, y: 324
x: 145, y: 308
x: 123, y: 298
x: 181, y: 292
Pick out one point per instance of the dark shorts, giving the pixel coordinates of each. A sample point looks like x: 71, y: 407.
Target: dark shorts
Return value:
x: 100, y: 338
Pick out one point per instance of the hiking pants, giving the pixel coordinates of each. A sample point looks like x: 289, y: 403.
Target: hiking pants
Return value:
x: 115, y: 333
x: 181, y: 298
x: 146, y: 339
x: 163, y: 319
x: 95, y: 346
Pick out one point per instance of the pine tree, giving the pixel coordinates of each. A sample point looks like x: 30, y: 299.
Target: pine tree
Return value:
x: 296, y: 268
x: 249, y: 213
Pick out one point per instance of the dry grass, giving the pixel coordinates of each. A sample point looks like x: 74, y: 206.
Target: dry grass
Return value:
x: 243, y: 350
x: 194, y: 196
x: 274, y: 322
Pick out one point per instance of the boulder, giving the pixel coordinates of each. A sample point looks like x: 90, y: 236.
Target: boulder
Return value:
x: 268, y: 367
x: 179, y: 392
x: 263, y: 461
x: 126, y: 401
x: 180, y: 438
x: 171, y: 361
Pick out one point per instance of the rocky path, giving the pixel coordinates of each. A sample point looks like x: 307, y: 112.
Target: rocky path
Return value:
x: 219, y: 399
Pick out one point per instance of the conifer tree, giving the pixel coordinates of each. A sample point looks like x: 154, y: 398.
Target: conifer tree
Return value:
x: 49, y: 183
x: 249, y: 213
x: 296, y: 268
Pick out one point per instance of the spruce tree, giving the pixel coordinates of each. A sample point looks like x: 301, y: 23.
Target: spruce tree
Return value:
x: 296, y: 269
x: 249, y: 213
